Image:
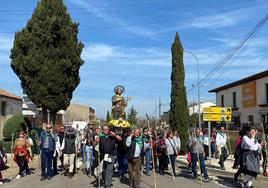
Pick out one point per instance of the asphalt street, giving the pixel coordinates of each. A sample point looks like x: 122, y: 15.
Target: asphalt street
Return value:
x: 183, y: 180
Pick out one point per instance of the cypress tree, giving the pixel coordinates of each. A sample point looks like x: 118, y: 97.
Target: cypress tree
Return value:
x: 108, y: 117
x: 46, y: 56
x: 178, y: 114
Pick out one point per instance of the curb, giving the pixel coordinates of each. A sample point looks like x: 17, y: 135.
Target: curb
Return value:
x: 222, y: 172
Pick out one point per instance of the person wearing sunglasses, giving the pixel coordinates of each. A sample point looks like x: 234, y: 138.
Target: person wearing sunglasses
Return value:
x: 47, y: 145
x: 22, y: 154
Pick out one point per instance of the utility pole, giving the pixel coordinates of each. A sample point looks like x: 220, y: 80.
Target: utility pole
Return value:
x: 160, y: 108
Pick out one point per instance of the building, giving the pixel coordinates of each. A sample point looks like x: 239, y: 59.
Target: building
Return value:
x: 10, y: 104
x: 248, y: 98
x: 77, y: 112
x: 34, y: 114
x: 193, y: 109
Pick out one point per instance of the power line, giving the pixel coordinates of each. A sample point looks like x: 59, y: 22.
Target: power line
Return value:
x: 234, y: 50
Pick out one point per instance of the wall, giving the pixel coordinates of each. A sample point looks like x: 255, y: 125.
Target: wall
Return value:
x: 245, y: 111
x: 13, y: 106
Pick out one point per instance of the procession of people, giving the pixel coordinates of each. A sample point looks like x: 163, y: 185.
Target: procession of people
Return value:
x: 135, y: 150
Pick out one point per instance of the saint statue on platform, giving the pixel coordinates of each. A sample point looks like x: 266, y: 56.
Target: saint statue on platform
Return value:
x: 118, y: 103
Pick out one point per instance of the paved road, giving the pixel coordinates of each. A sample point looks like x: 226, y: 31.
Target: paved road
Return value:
x: 184, y: 180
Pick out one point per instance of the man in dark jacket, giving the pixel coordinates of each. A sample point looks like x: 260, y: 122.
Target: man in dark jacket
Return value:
x: 68, y: 148
x: 47, y: 145
x: 134, y: 144
x: 107, y: 147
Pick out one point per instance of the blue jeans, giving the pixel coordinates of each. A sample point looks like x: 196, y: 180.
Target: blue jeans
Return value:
x: 89, y: 156
x: 123, y: 164
x: 47, y: 157
x: 213, y: 148
x: 83, y: 151
x: 173, y: 163
x: 202, y: 165
x: 147, y: 155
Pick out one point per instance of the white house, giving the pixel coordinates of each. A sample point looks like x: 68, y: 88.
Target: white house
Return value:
x: 194, y: 109
x: 248, y: 98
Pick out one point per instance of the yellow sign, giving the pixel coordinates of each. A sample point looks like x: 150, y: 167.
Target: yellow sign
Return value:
x: 249, y: 98
x: 217, y: 110
x: 217, y: 117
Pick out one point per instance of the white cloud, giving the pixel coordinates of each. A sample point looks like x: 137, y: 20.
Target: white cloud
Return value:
x: 115, y: 20
x: 6, y: 43
x: 126, y: 55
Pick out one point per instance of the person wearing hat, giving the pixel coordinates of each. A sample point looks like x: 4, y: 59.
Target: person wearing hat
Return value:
x: 69, y: 149
x: 89, y: 138
x: 118, y: 103
x: 250, y: 164
x: 221, y: 140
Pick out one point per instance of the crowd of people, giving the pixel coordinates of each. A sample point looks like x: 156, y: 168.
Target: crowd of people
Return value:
x: 134, y: 151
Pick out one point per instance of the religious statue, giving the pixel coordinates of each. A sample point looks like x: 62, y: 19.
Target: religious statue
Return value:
x: 118, y: 103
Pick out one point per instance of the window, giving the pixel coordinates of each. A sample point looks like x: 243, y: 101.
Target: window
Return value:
x: 266, y: 87
x: 222, y: 100
x: 4, y: 108
x: 234, y: 99
x: 250, y: 119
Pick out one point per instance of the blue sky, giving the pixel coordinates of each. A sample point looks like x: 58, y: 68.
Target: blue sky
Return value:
x: 128, y: 43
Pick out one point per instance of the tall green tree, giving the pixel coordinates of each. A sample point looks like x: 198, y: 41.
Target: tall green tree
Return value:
x: 178, y: 114
x: 108, y: 117
x: 46, y: 56
x: 132, y: 116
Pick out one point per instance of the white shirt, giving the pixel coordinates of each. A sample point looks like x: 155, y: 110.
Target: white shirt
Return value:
x: 137, y: 149
x: 221, y: 139
x: 250, y: 143
x: 177, y: 142
x: 206, y: 140
x: 170, y: 143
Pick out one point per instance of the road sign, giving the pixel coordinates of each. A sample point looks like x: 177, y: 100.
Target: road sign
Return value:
x: 217, y: 117
x: 217, y: 110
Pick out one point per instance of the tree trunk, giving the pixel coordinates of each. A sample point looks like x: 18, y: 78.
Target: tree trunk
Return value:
x: 53, y: 119
x: 44, y: 116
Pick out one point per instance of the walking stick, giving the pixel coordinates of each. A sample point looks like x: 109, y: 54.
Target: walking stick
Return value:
x: 76, y: 172
x: 171, y: 167
x: 99, y: 165
x: 11, y: 158
x: 152, y: 151
x: 228, y: 138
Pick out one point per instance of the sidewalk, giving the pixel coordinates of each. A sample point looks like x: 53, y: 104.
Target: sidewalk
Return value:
x: 213, y: 166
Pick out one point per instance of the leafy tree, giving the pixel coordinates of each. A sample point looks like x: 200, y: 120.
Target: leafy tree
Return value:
x: 15, y: 124
x: 46, y: 57
x: 132, y: 116
x: 178, y: 114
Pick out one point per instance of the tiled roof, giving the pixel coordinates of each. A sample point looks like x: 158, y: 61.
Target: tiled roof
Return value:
x: 242, y: 81
x: 4, y: 93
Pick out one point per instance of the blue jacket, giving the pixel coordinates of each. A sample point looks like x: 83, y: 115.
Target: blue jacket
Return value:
x: 52, y: 139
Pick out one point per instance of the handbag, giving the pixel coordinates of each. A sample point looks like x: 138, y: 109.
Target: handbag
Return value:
x: 189, y: 157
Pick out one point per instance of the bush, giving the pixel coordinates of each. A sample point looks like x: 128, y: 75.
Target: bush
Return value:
x: 6, y: 145
x: 15, y: 124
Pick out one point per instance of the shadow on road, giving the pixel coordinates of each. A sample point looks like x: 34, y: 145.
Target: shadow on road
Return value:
x: 227, y: 181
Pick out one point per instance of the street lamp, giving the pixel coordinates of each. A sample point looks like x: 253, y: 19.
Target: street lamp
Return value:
x: 198, y: 87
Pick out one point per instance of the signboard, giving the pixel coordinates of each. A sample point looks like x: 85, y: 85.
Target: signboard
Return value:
x: 217, y: 117
x: 249, y: 94
x: 217, y: 114
x: 217, y: 110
